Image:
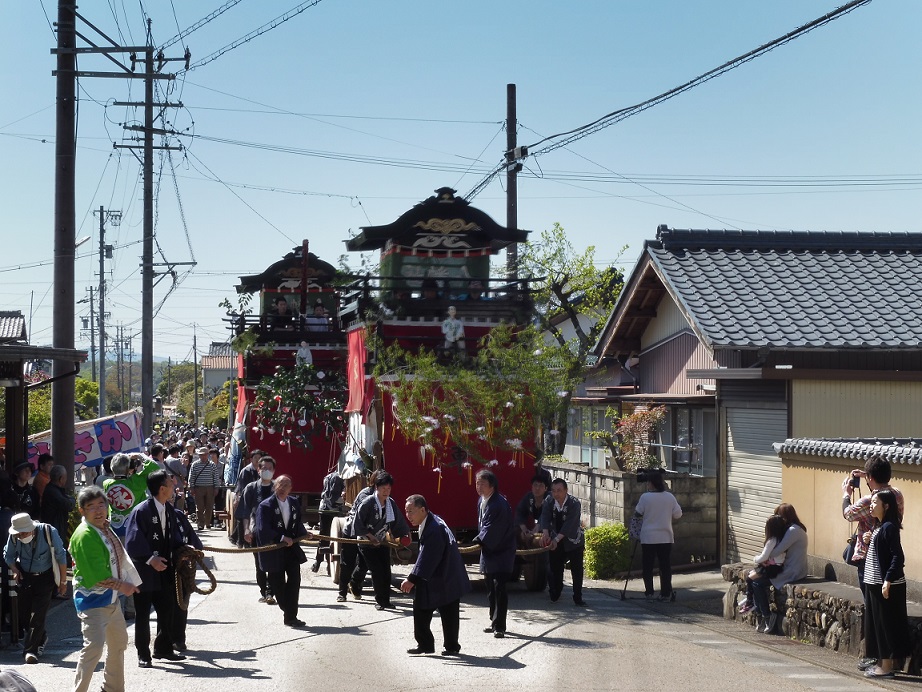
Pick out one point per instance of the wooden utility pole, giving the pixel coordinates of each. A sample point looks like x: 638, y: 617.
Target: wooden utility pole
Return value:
x: 65, y: 150
x: 194, y: 378
x: 512, y: 169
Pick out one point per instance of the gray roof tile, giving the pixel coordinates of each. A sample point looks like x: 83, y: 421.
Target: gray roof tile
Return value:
x: 796, y: 290
x: 899, y: 451
x: 12, y: 326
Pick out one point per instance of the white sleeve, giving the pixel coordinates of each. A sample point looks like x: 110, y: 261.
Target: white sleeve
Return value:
x: 766, y: 551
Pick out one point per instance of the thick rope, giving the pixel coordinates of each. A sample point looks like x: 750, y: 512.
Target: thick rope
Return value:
x: 187, y: 560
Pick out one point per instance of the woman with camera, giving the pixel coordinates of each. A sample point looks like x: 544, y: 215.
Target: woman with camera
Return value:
x: 659, y: 508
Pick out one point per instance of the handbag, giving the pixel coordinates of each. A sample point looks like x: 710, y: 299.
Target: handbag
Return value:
x: 54, y: 565
x: 636, y: 524
x: 849, y: 551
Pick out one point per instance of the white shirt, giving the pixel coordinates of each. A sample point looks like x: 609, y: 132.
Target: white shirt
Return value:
x: 285, y: 508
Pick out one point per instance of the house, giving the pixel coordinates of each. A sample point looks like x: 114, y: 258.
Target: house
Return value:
x: 751, y: 338
x: 219, y: 367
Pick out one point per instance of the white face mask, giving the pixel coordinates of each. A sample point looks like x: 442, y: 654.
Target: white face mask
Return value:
x: 27, y: 539
x: 266, y: 474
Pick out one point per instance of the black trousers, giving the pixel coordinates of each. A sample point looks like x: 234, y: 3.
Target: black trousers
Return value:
x: 261, y: 578
x: 557, y: 560
x: 352, y: 568
x: 661, y: 553
x: 499, y: 599
x: 886, y: 628
x: 450, y: 614
x: 378, y: 560
x: 163, y: 600
x: 35, y: 592
x: 286, y: 583
x: 323, y: 547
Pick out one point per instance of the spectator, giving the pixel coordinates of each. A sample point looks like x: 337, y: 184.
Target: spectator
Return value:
x: 204, y: 479
x: 43, y: 476
x: 57, y: 504
x: 26, y: 495
x: 35, y: 554
x: 659, y: 509
x: 877, y: 474
x: 794, y: 549
x: 102, y: 571
x: 886, y: 627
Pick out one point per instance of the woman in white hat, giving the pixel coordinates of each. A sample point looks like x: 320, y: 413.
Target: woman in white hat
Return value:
x: 35, y: 554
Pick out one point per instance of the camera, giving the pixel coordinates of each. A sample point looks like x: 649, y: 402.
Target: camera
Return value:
x: 646, y: 475
x: 856, y: 481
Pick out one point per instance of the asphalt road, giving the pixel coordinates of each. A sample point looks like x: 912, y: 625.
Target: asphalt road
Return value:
x: 238, y: 644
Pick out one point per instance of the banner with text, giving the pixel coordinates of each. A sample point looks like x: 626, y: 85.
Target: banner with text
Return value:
x: 94, y: 439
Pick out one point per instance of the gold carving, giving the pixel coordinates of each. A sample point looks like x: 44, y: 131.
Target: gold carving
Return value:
x: 447, y: 226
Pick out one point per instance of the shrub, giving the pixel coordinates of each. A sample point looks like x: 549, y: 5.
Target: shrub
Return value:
x: 607, y: 551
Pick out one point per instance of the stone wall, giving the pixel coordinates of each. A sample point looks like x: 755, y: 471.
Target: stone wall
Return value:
x: 610, y: 496
x: 823, y: 613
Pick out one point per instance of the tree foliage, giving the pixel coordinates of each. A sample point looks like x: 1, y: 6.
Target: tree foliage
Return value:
x: 86, y: 395
x: 573, y: 298
x: 300, y: 402
x: 473, y: 409
x: 629, y: 443
x: 180, y: 374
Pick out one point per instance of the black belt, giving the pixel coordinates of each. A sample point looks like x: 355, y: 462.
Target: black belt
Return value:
x: 38, y: 574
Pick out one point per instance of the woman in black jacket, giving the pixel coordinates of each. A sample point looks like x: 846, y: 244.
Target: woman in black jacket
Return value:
x: 886, y: 627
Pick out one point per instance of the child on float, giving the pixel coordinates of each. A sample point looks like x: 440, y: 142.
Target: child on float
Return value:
x: 765, y: 565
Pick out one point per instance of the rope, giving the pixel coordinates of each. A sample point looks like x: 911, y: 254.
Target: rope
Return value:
x: 187, y: 560
x: 314, y: 539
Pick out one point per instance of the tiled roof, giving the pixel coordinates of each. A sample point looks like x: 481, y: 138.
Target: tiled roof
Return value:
x: 12, y: 326
x: 900, y: 451
x: 219, y: 362
x: 218, y: 348
x: 795, y: 290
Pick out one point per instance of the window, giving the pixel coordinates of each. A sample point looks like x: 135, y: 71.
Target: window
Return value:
x: 583, y: 420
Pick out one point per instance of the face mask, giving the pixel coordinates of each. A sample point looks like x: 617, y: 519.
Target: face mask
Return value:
x: 27, y: 539
x: 266, y: 474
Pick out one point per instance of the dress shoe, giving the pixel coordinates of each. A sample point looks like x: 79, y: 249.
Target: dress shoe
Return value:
x: 169, y: 656
x: 418, y: 650
x: 580, y: 602
x: 355, y: 591
x: 341, y: 598
x: 145, y: 663
x: 379, y: 606
x: 488, y: 630
x: 270, y: 600
x: 451, y: 652
x: 315, y: 567
x: 31, y: 658
x: 295, y: 623
x: 499, y: 635
x: 180, y: 646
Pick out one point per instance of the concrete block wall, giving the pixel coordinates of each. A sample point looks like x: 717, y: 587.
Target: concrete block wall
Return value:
x: 610, y: 496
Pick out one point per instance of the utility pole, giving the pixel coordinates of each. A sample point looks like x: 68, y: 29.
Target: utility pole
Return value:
x: 130, y: 366
x: 169, y: 374
x: 105, y: 252
x: 512, y: 170
x: 194, y: 377
x: 92, y: 327
x: 65, y: 150
x: 119, y: 365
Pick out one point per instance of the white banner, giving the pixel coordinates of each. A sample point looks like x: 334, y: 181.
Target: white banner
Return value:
x: 95, y: 439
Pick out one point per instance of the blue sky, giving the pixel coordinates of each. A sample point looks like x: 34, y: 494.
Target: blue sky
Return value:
x: 426, y: 82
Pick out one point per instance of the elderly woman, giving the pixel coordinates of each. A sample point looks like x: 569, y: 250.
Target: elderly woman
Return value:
x: 792, y: 550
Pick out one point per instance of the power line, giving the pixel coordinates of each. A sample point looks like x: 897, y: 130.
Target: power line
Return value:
x: 281, y: 19
x: 562, y: 139
x: 199, y: 24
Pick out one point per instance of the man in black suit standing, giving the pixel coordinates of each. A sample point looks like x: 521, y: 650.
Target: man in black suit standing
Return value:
x: 153, y: 531
x: 439, y: 578
x: 497, y: 547
x: 279, y: 520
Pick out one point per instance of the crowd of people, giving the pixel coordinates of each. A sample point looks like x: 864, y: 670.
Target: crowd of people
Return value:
x: 137, y: 514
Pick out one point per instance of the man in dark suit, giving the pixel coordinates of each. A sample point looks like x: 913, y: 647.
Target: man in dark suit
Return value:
x: 153, y: 531
x: 439, y: 578
x: 497, y: 547
x: 279, y: 520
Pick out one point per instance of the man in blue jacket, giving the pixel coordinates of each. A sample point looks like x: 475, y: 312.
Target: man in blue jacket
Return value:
x: 497, y: 547
x: 279, y: 521
x: 439, y: 577
x: 153, y: 532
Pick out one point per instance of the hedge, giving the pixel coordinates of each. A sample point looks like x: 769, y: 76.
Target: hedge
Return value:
x: 607, y: 551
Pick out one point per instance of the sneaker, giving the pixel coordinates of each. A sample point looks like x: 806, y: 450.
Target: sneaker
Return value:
x: 262, y: 599
x: 341, y: 598
x: 356, y: 593
x: 770, y: 623
x: 746, y: 607
x: 865, y: 663
x: 41, y: 647
x: 31, y: 658
x: 270, y: 600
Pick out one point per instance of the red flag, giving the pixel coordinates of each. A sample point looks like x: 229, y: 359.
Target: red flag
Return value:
x: 357, y: 356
